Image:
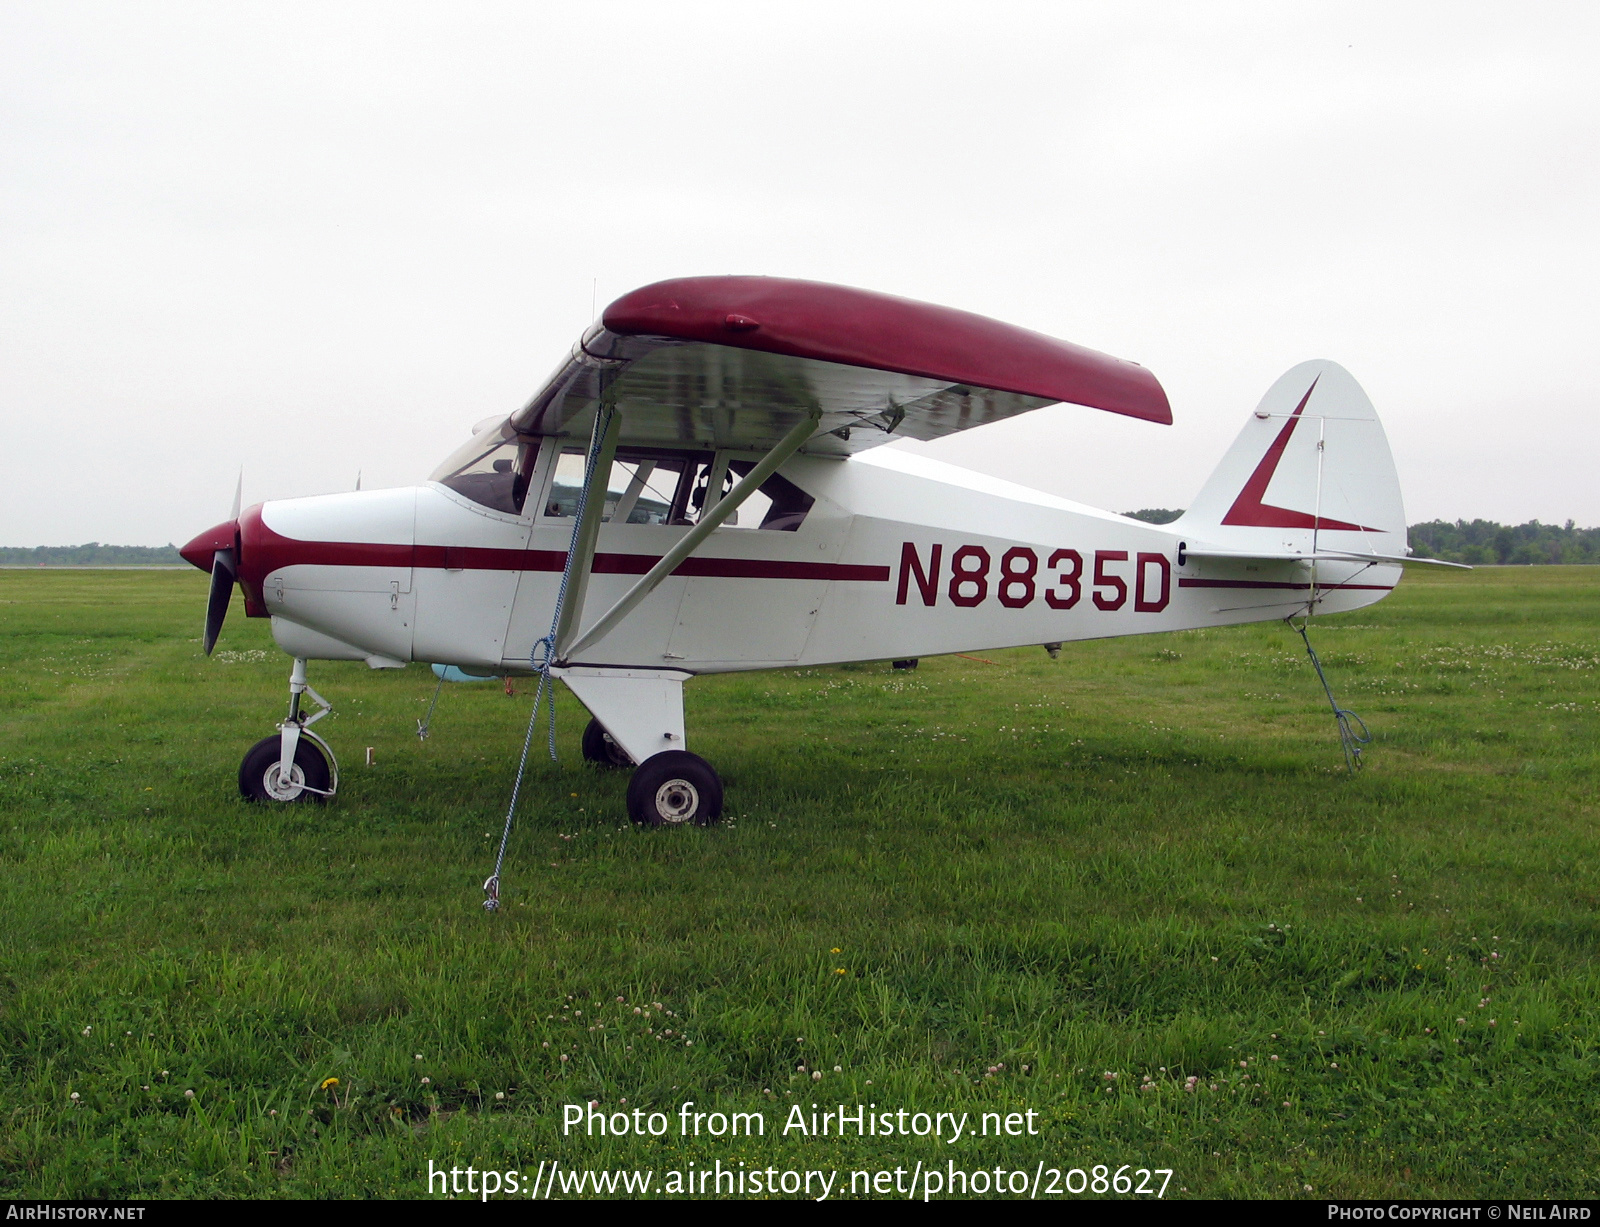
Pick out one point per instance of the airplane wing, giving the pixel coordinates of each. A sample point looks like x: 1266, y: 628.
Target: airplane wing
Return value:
x: 738, y: 362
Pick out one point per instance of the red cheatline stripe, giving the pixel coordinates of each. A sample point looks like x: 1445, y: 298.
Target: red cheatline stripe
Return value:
x: 472, y: 558
x: 1261, y: 583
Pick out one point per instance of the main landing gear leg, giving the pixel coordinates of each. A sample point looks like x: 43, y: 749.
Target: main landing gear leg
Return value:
x: 312, y: 773
x: 638, y: 718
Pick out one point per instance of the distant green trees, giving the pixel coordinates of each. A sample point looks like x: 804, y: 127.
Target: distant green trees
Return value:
x: 1476, y: 542
x: 93, y: 554
x: 1154, y: 515
x: 1486, y: 543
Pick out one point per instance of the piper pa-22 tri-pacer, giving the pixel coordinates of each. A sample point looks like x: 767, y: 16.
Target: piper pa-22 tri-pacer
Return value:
x: 700, y: 487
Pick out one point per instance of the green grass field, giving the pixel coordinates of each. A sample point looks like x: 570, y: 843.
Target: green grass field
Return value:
x: 973, y: 888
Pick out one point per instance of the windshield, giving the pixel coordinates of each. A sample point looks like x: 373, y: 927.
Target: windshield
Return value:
x: 491, y: 471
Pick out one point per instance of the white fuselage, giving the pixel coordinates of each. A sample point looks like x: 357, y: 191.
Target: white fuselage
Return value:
x: 899, y: 557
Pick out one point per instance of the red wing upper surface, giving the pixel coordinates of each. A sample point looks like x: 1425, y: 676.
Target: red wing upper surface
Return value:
x: 734, y: 362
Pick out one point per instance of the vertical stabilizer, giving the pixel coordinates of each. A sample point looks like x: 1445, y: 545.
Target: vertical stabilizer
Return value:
x: 1310, y: 470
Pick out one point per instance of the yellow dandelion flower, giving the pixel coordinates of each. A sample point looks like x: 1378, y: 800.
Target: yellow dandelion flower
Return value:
x: 327, y: 1082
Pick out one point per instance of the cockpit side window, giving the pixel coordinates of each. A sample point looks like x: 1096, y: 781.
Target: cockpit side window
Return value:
x: 642, y: 486
x: 661, y: 486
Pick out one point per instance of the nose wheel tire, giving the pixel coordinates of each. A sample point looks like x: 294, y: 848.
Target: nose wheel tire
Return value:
x: 600, y: 749
x: 672, y: 788
x: 262, y: 778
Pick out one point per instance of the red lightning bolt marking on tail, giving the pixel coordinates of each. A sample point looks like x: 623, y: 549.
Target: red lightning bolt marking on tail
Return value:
x: 1248, y: 510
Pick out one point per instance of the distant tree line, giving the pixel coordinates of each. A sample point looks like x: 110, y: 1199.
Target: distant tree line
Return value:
x: 1485, y: 543
x: 91, y: 555
x: 1476, y: 542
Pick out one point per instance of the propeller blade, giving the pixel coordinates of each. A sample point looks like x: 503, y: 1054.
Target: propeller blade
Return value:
x: 223, y: 572
x: 238, y: 494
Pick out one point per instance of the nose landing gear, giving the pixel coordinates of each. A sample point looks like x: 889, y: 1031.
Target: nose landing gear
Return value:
x: 312, y: 773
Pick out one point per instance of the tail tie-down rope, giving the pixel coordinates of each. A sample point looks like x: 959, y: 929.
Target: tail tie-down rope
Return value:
x: 1350, y: 741
x: 542, y: 657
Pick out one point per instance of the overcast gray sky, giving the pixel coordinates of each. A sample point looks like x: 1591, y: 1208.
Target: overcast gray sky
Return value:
x: 314, y: 239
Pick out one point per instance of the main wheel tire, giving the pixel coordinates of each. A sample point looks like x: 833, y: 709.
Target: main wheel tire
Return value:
x: 905, y: 664
x: 600, y: 749
x: 674, y: 787
x: 260, y: 777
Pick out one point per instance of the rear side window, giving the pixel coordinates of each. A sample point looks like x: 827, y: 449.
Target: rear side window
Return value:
x: 779, y: 506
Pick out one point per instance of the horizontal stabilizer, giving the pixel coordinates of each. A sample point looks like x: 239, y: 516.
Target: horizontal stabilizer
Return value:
x: 1319, y: 556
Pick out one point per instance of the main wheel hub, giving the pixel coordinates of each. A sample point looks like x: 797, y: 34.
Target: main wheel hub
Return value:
x: 677, y: 801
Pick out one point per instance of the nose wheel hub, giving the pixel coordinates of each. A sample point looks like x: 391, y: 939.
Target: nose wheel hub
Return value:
x: 284, y: 786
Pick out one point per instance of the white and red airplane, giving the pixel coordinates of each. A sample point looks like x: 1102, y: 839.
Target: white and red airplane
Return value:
x: 700, y: 488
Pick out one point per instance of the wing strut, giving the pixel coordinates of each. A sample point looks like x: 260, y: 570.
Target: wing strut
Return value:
x: 690, y: 541
x: 581, y: 564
